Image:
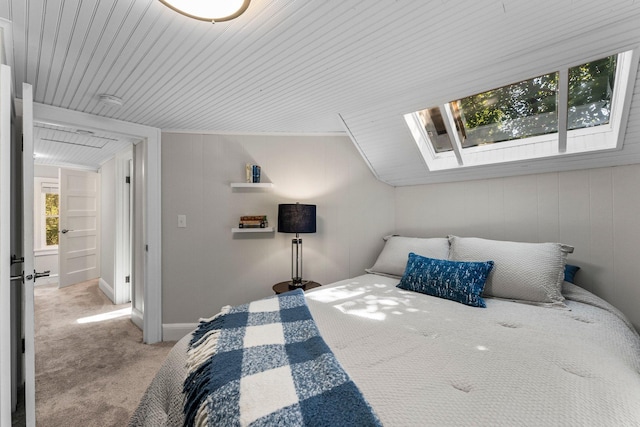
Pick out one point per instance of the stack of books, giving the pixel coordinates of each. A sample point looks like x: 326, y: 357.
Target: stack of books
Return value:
x: 253, y: 173
x: 253, y: 221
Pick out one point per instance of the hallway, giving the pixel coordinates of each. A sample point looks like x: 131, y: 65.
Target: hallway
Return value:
x: 91, y: 365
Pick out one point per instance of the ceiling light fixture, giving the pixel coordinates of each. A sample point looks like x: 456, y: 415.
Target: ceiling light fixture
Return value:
x: 110, y: 100
x: 209, y: 10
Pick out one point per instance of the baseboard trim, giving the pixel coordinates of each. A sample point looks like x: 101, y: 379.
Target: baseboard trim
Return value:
x: 137, y: 318
x: 106, y: 289
x: 175, y: 331
x: 47, y: 280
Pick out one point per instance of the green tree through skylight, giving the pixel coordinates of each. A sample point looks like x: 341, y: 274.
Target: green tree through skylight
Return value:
x: 528, y: 108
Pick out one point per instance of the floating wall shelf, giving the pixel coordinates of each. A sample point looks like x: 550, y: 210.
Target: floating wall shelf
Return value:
x: 252, y: 230
x: 252, y: 184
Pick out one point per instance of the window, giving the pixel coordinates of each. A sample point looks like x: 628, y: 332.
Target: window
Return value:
x: 517, y: 111
x: 590, y: 93
x: 46, y: 214
x: 51, y: 218
x: 520, y: 121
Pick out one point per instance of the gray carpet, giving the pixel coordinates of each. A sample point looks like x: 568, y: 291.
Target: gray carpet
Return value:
x: 89, y: 374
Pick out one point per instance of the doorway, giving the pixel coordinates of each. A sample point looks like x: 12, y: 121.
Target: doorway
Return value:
x: 82, y: 218
x: 83, y: 225
x: 146, y: 296
x: 149, y: 227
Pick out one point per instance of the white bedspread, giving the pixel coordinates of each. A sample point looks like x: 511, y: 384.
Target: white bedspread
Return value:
x: 421, y: 360
x: 424, y: 361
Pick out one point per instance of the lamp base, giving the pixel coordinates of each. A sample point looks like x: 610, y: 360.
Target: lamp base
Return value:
x: 297, y: 282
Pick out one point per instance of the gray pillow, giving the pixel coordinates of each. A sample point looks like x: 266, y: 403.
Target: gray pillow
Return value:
x: 392, y: 261
x: 531, y: 272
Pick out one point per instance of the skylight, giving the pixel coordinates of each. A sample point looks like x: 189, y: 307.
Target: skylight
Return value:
x: 522, y: 120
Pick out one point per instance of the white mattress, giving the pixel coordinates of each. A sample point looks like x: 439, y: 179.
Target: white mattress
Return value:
x: 424, y: 361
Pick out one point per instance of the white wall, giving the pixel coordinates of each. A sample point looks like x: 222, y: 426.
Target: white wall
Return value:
x: 107, y: 226
x: 595, y: 210
x: 44, y: 171
x: 46, y: 262
x: 205, y: 266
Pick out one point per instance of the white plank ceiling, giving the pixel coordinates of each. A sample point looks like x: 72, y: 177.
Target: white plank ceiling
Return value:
x: 296, y: 66
x: 63, y: 146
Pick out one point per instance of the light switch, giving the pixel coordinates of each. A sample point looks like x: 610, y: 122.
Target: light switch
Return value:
x: 182, y: 221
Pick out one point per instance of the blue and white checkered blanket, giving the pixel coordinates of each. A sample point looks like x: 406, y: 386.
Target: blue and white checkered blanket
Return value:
x: 265, y: 364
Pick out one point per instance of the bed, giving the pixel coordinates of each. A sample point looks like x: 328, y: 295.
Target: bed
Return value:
x: 511, y: 355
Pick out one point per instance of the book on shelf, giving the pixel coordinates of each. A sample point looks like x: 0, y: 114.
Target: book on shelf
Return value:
x: 252, y: 173
x: 242, y: 225
x: 253, y: 218
x: 253, y: 221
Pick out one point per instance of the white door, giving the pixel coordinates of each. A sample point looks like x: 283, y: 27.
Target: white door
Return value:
x: 5, y: 239
x: 79, y: 243
x: 123, y: 194
x: 126, y: 232
x: 27, y: 245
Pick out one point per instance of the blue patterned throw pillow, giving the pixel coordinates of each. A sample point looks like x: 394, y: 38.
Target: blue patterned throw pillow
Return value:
x: 461, y: 281
x: 570, y: 272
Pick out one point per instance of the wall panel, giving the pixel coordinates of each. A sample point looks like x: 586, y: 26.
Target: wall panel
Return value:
x: 548, y: 205
x: 595, y: 210
x: 601, y: 242
x: 626, y: 235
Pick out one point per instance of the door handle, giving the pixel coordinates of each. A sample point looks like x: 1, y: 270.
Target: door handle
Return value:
x: 36, y: 275
x: 43, y: 274
x: 33, y: 276
x: 22, y: 277
x: 65, y: 231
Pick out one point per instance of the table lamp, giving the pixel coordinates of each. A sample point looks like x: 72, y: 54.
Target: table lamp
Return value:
x: 296, y: 218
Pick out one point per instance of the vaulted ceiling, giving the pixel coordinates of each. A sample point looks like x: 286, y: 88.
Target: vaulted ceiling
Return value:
x: 298, y: 66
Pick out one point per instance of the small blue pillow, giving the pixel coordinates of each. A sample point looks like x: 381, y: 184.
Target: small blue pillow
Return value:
x: 460, y: 281
x: 570, y: 272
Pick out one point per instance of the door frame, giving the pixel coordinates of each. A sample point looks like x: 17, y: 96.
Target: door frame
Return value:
x: 152, y: 229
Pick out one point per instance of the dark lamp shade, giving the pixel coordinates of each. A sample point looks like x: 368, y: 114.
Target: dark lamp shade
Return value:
x: 296, y: 218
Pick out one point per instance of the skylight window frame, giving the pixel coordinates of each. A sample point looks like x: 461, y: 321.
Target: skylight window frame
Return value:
x: 456, y: 144
x: 565, y: 142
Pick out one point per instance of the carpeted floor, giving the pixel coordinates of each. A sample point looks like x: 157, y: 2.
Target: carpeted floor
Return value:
x: 93, y: 373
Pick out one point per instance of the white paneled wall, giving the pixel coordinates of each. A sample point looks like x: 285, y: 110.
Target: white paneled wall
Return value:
x: 44, y: 261
x: 205, y: 266
x: 595, y: 210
